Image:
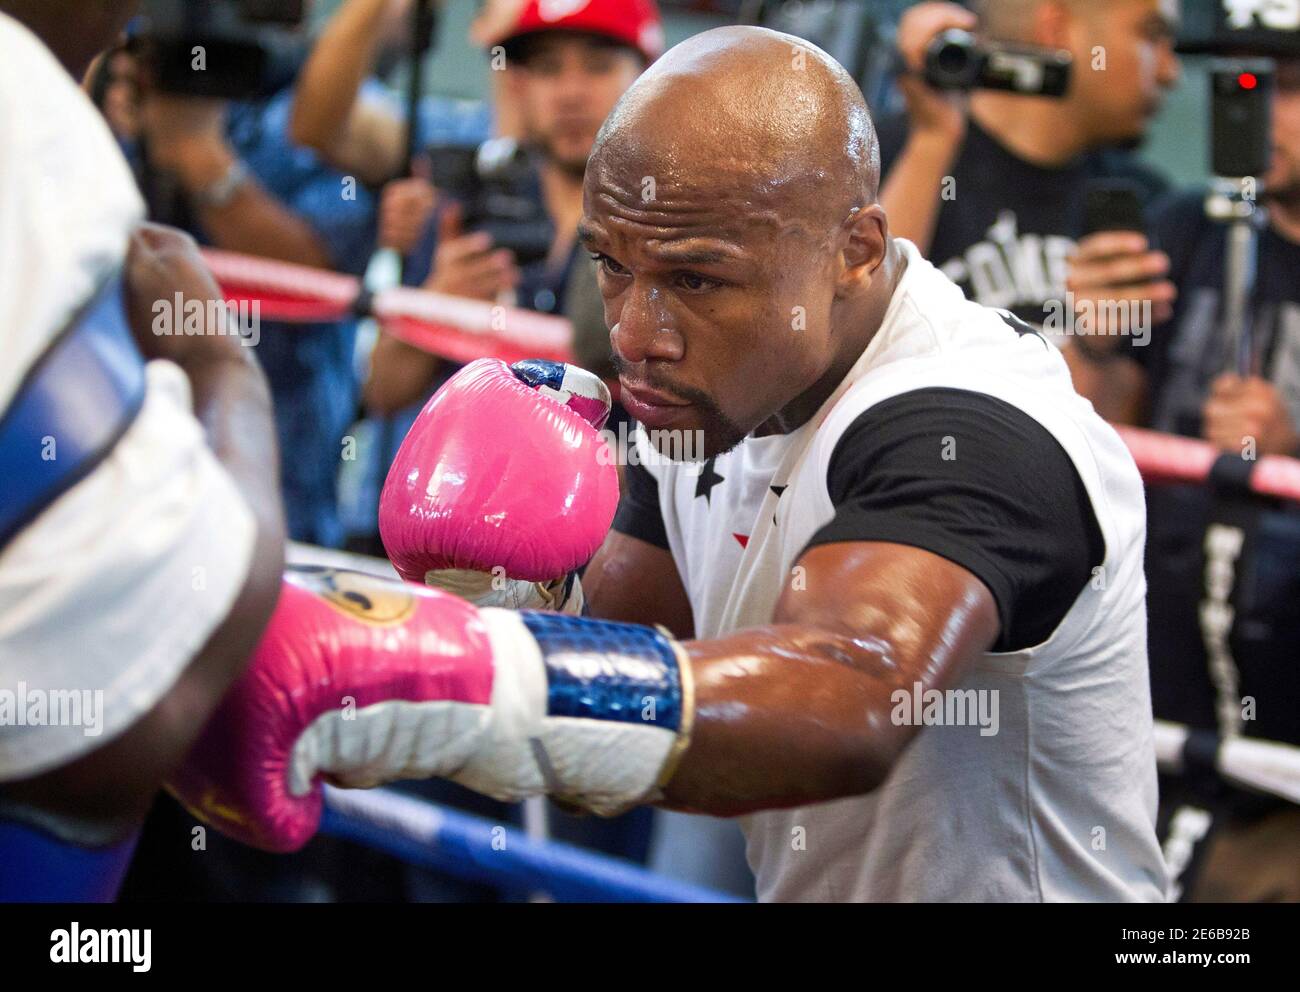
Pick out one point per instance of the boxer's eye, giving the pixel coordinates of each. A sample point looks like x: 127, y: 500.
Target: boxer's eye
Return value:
x: 694, y: 282
x: 608, y: 264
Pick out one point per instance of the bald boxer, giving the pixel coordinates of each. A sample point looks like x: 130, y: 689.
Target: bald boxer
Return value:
x: 141, y: 540
x: 905, y: 581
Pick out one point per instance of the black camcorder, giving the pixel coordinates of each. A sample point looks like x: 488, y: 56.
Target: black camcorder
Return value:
x: 225, y: 49
x: 493, y: 185
x: 955, y: 60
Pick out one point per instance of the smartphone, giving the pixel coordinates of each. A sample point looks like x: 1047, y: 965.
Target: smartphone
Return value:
x: 1112, y: 205
x: 1241, y: 136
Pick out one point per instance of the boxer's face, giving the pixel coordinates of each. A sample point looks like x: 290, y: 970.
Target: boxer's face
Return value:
x: 1123, y: 62
x: 1283, y: 180
x: 719, y: 305
x: 566, y: 85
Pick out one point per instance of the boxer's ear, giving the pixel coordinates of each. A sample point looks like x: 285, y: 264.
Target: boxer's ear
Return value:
x: 865, y: 240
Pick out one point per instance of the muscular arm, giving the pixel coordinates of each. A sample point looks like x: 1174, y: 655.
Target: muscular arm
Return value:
x: 798, y: 712
x: 927, y: 564
x: 327, y: 115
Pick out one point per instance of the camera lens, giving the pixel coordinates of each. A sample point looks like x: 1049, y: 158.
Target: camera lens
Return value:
x: 952, y: 58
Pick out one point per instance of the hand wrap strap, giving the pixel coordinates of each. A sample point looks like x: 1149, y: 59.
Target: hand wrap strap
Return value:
x: 595, y: 713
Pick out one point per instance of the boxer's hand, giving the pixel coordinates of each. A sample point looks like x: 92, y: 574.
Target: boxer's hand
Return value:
x: 361, y: 681
x: 404, y: 210
x: 162, y: 262
x: 502, y: 487
x: 466, y: 264
x: 930, y: 112
x: 1239, y: 408
x: 1113, y: 267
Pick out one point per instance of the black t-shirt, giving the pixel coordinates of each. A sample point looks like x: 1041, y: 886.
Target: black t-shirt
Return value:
x: 1007, y: 226
x: 1009, y: 507
x: 1182, y: 358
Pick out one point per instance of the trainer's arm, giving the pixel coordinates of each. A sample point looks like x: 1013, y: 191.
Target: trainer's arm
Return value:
x: 111, y: 788
x: 799, y: 711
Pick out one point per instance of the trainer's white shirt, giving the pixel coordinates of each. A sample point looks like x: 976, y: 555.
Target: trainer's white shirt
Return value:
x: 120, y: 581
x: 1060, y: 803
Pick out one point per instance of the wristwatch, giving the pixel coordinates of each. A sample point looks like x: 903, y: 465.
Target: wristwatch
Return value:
x: 218, y: 194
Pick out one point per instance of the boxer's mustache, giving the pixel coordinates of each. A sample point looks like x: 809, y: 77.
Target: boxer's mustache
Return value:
x: 686, y: 394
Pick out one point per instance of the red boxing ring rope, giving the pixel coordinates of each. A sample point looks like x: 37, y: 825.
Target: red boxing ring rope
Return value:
x: 462, y: 330
x: 1170, y: 458
x: 450, y: 326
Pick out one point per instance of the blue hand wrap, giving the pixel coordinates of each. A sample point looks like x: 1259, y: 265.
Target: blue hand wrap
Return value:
x: 600, y: 670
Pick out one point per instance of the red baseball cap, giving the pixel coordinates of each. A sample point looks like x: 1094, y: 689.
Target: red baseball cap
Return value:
x: 634, y: 23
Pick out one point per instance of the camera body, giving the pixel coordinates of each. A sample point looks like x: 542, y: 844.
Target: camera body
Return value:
x: 955, y: 60
x: 224, y: 49
x: 492, y: 184
x: 1241, y: 133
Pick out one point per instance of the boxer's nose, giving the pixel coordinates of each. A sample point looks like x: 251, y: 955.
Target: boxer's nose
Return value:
x: 644, y: 331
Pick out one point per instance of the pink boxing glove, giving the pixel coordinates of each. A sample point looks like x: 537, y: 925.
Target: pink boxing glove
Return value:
x: 360, y: 680
x: 337, y: 643
x: 503, y: 476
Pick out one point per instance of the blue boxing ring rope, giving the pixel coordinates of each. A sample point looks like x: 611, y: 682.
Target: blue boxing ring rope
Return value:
x: 477, y: 850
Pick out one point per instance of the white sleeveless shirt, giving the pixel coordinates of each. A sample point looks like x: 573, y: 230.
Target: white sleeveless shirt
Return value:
x: 1060, y: 803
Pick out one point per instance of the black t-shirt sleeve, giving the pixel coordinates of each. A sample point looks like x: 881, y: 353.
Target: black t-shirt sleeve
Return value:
x: 979, y: 482
x: 638, y: 508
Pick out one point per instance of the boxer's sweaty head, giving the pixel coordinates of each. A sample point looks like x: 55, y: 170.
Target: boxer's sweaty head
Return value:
x: 730, y: 202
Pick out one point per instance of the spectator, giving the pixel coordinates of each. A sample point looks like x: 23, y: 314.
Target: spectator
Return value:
x: 1204, y: 674
x: 564, y: 76
x: 230, y: 175
x: 990, y: 186
x: 354, y: 123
